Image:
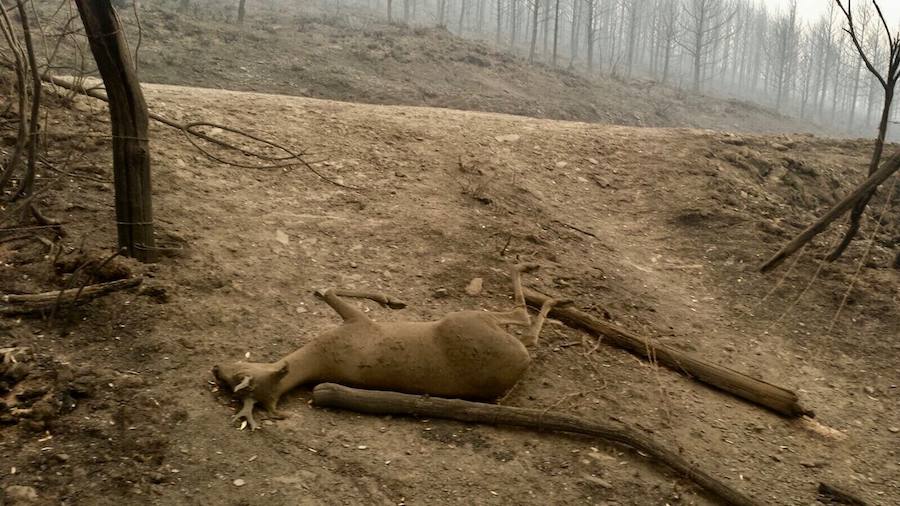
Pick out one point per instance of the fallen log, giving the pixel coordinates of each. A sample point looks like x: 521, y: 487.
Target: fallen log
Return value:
x: 775, y: 398
x: 374, y: 402
x: 17, y: 304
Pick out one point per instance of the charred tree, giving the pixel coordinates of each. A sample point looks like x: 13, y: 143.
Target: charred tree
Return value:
x: 704, y: 21
x: 462, y: 17
x: 128, y: 114
x: 633, y: 18
x: 27, y: 186
x: 534, y: 30
x: 555, y: 31
x: 20, y: 67
x: 589, y: 35
x: 888, y: 82
x: 784, y: 64
x: 499, y: 22
x: 669, y: 36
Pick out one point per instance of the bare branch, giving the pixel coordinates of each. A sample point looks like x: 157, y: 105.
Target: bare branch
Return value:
x: 851, y: 30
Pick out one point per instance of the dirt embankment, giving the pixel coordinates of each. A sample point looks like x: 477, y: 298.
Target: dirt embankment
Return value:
x: 657, y: 230
x: 371, y: 62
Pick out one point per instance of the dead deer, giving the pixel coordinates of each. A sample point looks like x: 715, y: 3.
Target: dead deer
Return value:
x: 465, y: 354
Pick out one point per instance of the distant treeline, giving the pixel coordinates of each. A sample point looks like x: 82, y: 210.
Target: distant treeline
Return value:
x: 737, y: 48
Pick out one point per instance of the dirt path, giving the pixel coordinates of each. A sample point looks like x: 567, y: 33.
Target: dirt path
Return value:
x: 660, y: 230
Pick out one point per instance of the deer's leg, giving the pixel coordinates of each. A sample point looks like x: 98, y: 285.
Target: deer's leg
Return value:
x: 519, y: 315
x: 347, y: 311
x: 516, y: 275
x: 520, y: 318
x: 530, y: 338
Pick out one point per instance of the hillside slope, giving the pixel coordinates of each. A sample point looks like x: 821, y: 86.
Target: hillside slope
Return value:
x: 657, y: 230
x: 371, y: 62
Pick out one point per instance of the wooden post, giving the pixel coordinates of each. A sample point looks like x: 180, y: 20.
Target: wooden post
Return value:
x: 128, y: 114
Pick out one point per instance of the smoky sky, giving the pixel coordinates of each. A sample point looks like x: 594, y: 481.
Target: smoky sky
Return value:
x: 811, y: 10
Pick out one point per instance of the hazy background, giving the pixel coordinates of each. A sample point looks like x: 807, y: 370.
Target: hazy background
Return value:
x: 811, y: 10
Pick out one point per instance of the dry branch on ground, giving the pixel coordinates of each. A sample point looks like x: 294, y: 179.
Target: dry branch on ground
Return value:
x: 18, y: 304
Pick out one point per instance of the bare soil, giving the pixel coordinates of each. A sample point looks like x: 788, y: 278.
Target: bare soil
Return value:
x: 291, y: 50
x: 658, y: 230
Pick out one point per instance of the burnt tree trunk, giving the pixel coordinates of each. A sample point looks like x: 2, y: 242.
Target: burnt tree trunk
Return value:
x: 26, y: 189
x: 889, y: 82
x: 534, y: 30
x: 860, y: 207
x: 20, y: 68
x: 128, y: 114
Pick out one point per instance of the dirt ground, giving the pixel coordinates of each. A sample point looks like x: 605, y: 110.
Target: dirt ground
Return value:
x: 658, y: 230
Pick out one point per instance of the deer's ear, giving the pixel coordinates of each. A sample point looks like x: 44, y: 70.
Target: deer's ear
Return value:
x: 281, y: 373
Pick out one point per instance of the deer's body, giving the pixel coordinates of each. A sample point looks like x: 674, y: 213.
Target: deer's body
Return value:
x: 465, y: 354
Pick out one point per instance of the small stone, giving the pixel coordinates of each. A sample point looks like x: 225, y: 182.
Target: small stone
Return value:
x: 81, y: 106
x: 869, y: 390
x: 20, y: 494
x: 599, y: 482
x: 507, y: 138
x: 474, y: 287
x: 735, y: 141
x: 593, y: 161
x: 894, y: 429
x: 282, y: 237
x: 441, y: 293
x: 239, y: 482
x: 561, y: 165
